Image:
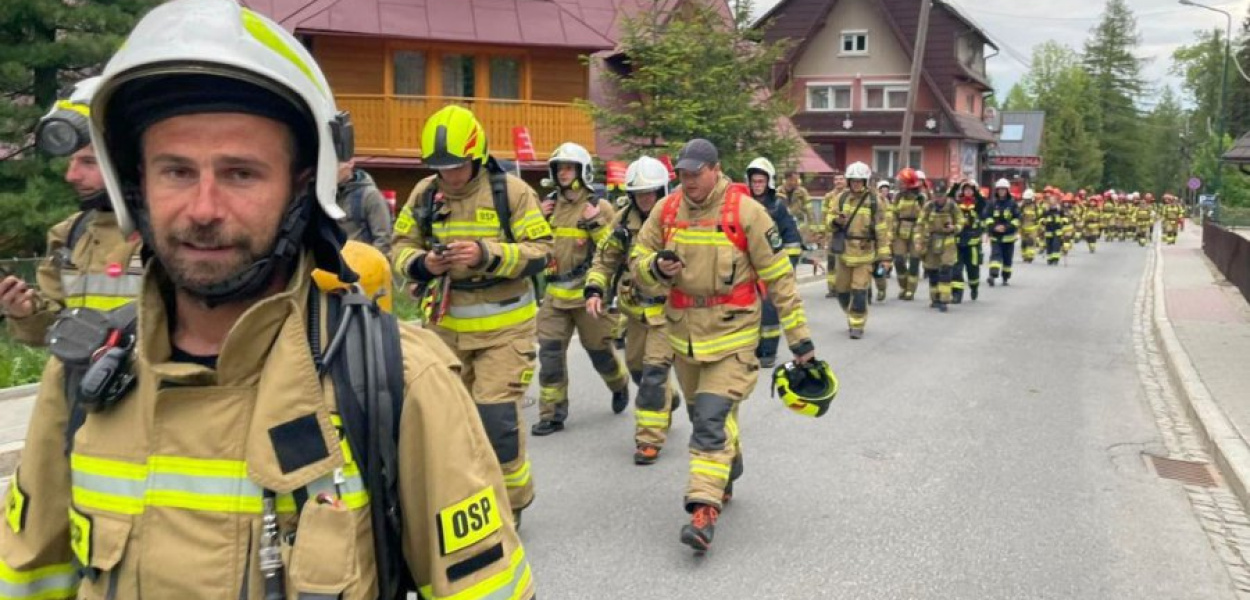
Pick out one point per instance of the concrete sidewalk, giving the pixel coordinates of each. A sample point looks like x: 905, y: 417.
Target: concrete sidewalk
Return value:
x: 1204, y: 328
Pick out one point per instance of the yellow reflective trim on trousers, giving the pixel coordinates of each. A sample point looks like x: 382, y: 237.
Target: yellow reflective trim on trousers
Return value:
x: 513, y: 317
x: 701, y: 238
x: 519, y: 478
x: 551, y: 393
x: 571, y: 233
x: 732, y: 341
x: 43, y: 583
x: 651, y: 418
x: 776, y: 270
x: 269, y: 39
x: 564, y: 294
x: 793, y: 319
x: 509, y: 584
x: 707, y: 467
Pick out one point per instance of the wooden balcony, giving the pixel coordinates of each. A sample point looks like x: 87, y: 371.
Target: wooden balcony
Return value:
x: 391, y: 125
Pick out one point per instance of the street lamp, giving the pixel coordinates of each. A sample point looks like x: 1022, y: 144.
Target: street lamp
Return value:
x: 1219, y: 144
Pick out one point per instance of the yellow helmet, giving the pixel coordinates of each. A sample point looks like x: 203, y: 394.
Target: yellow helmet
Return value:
x: 452, y: 137
x: 807, y: 389
x: 372, y: 267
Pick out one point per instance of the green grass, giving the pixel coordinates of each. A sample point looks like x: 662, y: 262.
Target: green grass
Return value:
x: 19, y: 364
x: 1235, y: 216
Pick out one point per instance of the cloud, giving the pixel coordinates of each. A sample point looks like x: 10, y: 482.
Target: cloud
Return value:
x: 1016, y: 27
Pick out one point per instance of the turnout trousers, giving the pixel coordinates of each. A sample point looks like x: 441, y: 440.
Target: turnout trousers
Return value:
x: 649, y: 356
x: 555, y: 329
x: 497, y: 377
x: 714, y: 390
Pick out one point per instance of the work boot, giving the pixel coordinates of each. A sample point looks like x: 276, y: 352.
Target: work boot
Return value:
x: 646, y: 454
x: 698, y: 534
x: 831, y: 294
x: 976, y: 291
x: 1006, y: 282
x: 768, y: 362
x: 941, y: 306
x: 909, y: 296
x: 880, y: 295
x: 991, y: 280
x: 542, y: 428
x: 620, y: 400
x: 676, y: 403
x: 957, y: 297
x: 729, y: 493
x: 516, y: 519
x: 857, y: 333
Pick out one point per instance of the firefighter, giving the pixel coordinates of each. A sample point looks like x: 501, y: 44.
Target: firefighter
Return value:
x: 831, y: 259
x: 795, y: 197
x: 1068, y: 206
x: 648, y: 354
x: 907, y: 207
x: 1093, y: 222
x: 475, y: 277
x: 760, y: 179
x: 1002, y: 220
x: 707, y: 249
x: 967, y: 275
x: 89, y: 263
x: 880, y: 274
x: 1053, y: 222
x: 218, y: 435
x: 581, y: 223
x: 860, y: 238
x: 1125, y: 213
x: 1030, y: 212
x: 1144, y: 218
x: 1172, y: 215
x: 936, y: 239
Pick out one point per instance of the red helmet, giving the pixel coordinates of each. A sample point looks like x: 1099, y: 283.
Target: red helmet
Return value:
x: 1069, y: 197
x: 908, y: 179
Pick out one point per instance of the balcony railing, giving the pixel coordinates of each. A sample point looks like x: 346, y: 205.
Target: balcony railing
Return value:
x: 391, y: 125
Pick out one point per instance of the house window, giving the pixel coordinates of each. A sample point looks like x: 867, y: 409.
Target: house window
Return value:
x: 828, y: 97
x: 885, y: 97
x: 854, y: 42
x: 505, y: 78
x: 458, y: 76
x: 887, y: 161
x: 972, y: 103
x: 409, y: 73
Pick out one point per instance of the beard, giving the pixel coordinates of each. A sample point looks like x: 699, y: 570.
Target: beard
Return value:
x: 200, y: 275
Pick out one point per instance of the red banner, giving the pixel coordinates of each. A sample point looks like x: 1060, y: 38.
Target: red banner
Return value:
x: 668, y: 164
x: 523, y: 144
x: 616, y: 173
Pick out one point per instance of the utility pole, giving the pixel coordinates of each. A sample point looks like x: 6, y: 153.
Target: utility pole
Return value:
x: 917, y: 61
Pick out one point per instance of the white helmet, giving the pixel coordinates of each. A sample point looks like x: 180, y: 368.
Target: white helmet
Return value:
x: 858, y: 170
x: 571, y: 153
x: 920, y: 175
x: 883, y: 184
x: 211, y: 39
x: 1002, y: 184
x: 646, y: 174
x: 1028, y: 193
x: 766, y: 166
x: 66, y: 128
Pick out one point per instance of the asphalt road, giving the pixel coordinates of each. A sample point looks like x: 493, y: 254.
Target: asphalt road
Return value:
x: 992, y: 452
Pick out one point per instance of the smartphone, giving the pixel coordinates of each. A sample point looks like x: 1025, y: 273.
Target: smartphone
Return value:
x: 668, y: 255
x: 440, y: 249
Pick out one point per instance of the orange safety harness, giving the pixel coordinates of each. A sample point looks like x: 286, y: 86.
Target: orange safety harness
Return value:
x: 730, y: 223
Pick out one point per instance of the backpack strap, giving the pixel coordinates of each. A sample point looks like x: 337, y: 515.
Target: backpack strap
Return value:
x: 356, y: 212
x: 503, y: 208
x: 76, y: 230
x: 731, y: 218
x: 366, y: 364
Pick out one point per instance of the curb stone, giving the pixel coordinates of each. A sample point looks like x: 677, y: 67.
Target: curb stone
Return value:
x: 1219, y: 434
x: 20, y: 391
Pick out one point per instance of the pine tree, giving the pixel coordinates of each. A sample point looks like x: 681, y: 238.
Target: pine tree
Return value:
x: 697, y: 76
x: 1058, y: 85
x: 1117, y: 85
x: 1166, y: 165
x: 46, y: 46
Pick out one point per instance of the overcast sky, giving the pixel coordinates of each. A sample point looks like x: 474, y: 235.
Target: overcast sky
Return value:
x: 1017, y: 26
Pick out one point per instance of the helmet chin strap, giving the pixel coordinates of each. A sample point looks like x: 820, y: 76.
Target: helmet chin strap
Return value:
x: 257, y: 277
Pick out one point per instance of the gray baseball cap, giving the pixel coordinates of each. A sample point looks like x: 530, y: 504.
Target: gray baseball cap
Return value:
x: 696, y: 154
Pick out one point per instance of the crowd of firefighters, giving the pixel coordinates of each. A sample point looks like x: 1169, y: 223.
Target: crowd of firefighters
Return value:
x: 691, y: 273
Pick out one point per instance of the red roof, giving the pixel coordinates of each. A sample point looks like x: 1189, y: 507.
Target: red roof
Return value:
x: 506, y: 22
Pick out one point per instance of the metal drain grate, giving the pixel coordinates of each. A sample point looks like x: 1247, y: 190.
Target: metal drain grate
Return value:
x: 1184, y: 471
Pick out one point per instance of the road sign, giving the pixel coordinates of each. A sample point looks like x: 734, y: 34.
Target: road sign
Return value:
x: 1206, y: 199
x: 1195, y: 183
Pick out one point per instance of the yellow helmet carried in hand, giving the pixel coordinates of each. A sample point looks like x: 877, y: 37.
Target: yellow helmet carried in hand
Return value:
x: 372, y: 267
x: 807, y: 389
x: 452, y: 137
